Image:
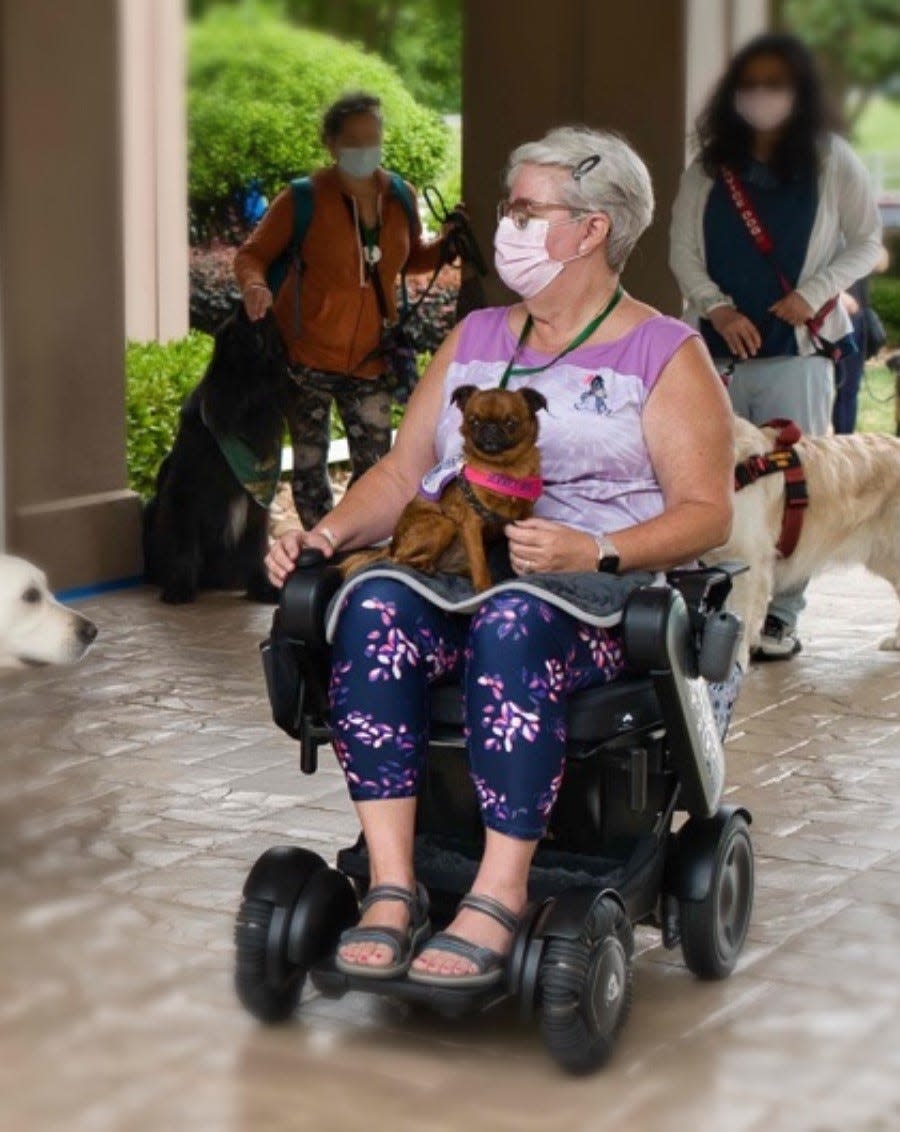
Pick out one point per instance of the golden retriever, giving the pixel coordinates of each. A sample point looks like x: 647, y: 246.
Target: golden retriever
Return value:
x: 35, y: 628
x: 853, y: 518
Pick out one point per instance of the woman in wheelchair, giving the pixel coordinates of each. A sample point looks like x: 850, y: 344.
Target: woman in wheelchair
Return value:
x: 637, y: 471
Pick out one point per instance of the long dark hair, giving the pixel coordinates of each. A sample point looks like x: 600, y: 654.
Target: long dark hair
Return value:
x: 726, y: 139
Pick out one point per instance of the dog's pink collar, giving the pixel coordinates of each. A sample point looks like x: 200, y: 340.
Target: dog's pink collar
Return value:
x: 520, y: 487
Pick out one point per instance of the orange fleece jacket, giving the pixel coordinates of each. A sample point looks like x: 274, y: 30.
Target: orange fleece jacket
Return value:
x: 339, y: 321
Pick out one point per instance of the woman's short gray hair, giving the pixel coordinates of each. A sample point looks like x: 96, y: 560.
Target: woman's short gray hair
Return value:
x: 606, y: 176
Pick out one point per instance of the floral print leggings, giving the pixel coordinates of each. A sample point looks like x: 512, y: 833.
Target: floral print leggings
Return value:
x: 518, y: 658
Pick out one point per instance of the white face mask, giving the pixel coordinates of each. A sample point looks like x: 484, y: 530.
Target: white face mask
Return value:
x: 764, y: 109
x: 521, y: 256
x: 359, y: 161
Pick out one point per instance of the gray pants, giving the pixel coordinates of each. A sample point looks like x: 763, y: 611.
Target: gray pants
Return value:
x: 800, y: 389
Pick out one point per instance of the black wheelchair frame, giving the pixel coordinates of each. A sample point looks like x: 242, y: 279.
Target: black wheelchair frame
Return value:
x: 639, y: 751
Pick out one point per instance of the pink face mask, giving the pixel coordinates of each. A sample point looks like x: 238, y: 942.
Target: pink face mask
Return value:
x: 764, y: 109
x: 521, y: 256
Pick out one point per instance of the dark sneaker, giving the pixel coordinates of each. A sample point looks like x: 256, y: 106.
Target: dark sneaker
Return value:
x: 778, y: 641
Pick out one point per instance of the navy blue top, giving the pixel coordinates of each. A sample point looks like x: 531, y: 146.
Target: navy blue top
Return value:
x: 787, y: 210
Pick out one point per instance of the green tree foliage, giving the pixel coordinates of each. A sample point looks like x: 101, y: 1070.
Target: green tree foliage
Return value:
x: 421, y: 38
x: 256, y: 91
x: 857, y: 42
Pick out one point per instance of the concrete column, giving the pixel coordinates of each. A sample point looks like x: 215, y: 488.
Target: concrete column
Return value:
x: 63, y: 448
x: 154, y: 156
x: 639, y: 69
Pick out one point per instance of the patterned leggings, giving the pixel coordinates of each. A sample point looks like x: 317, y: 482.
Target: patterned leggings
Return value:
x: 519, y: 659
x: 364, y: 406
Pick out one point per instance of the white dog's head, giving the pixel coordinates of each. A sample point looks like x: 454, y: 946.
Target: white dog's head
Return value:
x: 34, y: 627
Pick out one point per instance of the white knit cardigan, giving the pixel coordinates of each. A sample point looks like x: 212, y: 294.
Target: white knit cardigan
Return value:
x: 844, y: 244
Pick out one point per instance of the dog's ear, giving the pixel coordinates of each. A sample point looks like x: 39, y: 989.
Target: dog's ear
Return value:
x: 461, y: 395
x: 534, y: 399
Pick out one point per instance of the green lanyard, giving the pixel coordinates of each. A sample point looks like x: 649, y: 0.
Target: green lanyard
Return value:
x: 519, y: 371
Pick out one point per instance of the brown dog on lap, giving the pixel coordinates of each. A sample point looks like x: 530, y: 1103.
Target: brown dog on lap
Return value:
x: 449, y: 524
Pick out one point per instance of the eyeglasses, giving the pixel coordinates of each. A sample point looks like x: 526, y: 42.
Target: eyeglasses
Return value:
x: 522, y: 210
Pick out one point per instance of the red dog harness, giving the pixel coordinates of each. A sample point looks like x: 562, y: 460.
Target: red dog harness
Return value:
x: 786, y: 460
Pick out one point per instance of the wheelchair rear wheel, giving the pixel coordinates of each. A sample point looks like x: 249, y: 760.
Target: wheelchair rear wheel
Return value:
x: 713, y: 930
x: 585, y: 988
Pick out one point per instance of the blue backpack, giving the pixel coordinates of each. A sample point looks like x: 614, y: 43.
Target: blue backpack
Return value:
x: 302, y: 190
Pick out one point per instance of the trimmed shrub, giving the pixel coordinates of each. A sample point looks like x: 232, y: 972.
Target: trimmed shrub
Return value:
x: 157, y: 380
x: 257, y: 88
x: 885, y: 295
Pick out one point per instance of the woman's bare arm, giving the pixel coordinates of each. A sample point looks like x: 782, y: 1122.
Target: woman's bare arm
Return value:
x: 689, y: 431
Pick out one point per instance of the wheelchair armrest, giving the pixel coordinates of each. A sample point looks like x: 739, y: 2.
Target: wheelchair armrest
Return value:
x: 305, y: 597
x: 647, y: 621
x: 705, y: 588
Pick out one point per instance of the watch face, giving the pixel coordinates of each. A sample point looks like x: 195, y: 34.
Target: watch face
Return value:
x: 608, y: 564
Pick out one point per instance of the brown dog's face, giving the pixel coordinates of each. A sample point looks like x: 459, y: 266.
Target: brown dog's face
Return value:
x: 498, y: 423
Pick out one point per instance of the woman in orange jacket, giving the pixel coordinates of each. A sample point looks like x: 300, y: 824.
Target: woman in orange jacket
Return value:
x: 360, y: 234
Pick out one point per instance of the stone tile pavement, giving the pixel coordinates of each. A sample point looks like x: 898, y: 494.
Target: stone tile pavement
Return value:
x: 137, y: 789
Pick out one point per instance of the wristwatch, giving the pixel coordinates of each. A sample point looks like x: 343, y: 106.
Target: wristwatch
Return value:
x: 607, y: 555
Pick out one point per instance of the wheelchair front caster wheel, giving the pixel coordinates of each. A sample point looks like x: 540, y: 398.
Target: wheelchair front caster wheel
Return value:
x: 293, y: 911
x: 585, y: 988
x: 713, y: 930
x: 269, y: 995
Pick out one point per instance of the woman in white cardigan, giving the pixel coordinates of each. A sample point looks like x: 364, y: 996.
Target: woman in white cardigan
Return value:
x: 769, y: 172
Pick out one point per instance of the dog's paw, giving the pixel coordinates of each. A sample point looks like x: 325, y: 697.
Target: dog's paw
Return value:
x: 890, y: 644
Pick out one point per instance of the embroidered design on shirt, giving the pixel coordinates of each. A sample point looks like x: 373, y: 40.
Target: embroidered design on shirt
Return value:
x: 593, y: 399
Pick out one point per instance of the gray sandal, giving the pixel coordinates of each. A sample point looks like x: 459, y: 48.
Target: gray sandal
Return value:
x: 491, y: 964
x: 402, y: 943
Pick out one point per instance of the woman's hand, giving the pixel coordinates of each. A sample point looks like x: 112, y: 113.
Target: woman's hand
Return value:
x: 539, y: 546
x: 849, y: 303
x: 257, y: 300
x: 283, y: 554
x: 450, y: 226
x: 793, y: 309
x: 740, y: 334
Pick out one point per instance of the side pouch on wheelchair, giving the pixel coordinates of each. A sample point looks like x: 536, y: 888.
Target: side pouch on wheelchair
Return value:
x: 284, y: 680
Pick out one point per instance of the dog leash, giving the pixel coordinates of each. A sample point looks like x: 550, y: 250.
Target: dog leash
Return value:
x: 764, y: 244
x: 512, y: 370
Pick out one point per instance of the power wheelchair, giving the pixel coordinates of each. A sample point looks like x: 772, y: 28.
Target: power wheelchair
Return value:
x: 640, y: 750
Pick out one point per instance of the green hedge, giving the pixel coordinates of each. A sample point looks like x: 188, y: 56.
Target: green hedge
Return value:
x: 886, y: 300
x: 157, y: 380
x: 257, y: 88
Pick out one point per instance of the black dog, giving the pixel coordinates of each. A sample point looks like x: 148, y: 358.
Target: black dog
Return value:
x: 204, y: 528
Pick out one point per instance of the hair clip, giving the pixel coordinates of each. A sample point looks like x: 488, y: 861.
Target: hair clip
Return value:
x: 586, y: 166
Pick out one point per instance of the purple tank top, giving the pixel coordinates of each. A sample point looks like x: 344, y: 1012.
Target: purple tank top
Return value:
x: 596, y: 468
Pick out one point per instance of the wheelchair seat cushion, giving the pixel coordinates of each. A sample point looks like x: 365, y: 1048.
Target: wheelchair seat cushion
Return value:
x: 595, y: 598
x: 594, y: 714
